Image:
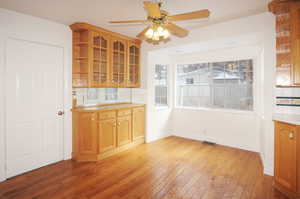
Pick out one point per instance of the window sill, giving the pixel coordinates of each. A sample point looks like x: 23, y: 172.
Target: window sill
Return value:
x: 231, y: 111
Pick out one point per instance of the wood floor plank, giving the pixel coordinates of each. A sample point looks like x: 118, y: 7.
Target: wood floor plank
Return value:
x: 171, y: 168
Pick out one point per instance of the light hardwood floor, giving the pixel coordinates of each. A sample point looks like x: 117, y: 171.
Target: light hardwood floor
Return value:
x: 170, y: 168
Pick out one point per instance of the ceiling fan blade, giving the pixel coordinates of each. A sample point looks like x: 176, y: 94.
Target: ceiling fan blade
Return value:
x: 190, y: 15
x: 130, y: 21
x: 141, y: 35
x: 176, y: 30
x: 153, y: 9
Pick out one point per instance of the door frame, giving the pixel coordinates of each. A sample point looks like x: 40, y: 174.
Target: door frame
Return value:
x: 67, y: 96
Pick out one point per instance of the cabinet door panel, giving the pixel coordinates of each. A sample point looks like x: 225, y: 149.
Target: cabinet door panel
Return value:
x: 285, y: 155
x: 101, y: 59
x: 107, y: 135
x: 133, y: 74
x: 87, y: 133
x: 295, y: 15
x: 119, y: 62
x: 124, y: 130
x: 138, y: 123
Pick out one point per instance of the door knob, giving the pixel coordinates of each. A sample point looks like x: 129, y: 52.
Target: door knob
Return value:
x: 60, y: 113
x: 291, y: 136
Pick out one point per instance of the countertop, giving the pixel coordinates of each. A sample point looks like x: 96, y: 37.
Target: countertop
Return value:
x: 105, y: 107
x: 287, y: 118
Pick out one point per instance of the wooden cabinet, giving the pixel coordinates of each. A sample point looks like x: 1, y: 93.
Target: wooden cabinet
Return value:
x: 119, y: 58
x: 138, y: 123
x: 101, y: 133
x: 133, y: 74
x: 81, y: 53
x: 104, y: 59
x: 287, y: 159
x: 100, y: 59
x: 287, y: 42
x: 124, y: 130
x: 86, y: 132
x: 107, y: 135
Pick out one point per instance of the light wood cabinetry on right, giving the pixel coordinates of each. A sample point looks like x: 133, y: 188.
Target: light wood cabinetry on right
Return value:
x: 99, y: 134
x: 287, y: 159
x: 287, y: 14
x: 104, y: 59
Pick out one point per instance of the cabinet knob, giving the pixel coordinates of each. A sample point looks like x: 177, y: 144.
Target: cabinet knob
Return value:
x: 291, y: 136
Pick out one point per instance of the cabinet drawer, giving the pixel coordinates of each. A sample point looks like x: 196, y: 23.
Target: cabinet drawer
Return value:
x: 107, y: 115
x: 124, y: 112
x: 139, y: 109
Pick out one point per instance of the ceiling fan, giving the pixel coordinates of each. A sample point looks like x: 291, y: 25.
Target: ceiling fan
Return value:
x: 161, y: 22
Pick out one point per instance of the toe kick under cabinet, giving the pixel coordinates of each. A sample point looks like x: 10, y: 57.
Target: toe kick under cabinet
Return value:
x: 100, y: 132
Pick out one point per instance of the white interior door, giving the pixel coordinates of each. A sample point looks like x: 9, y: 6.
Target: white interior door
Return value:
x: 34, y: 96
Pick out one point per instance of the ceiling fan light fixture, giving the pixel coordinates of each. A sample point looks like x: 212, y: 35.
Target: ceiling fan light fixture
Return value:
x: 162, y: 26
x: 149, y: 33
x: 156, y: 36
x: 157, y: 33
x: 166, y: 34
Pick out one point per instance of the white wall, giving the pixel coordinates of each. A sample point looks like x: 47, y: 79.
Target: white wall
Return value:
x: 248, y: 131
x: 238, y: 129
x: 34, y: 29
x: 158, y: 119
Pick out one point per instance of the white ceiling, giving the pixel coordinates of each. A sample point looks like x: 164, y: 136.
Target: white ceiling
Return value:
x: 99, y: 12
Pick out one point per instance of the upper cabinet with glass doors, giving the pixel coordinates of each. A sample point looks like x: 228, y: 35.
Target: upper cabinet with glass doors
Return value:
x: 119, y: 66
x: 104, y: 59
x: 100, y: 69
x: 287, y: 14
x: 133, y: 73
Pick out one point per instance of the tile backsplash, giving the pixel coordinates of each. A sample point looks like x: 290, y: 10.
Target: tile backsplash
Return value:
x: 291, y: 93
x: 99, y: 96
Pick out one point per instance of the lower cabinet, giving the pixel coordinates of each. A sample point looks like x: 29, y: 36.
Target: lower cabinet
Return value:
x: 101, y: 133
x: 287, y: 159
x: 138, y: 123
x: 85, y: 132
x: 107, y: 132
x: 124, y: 130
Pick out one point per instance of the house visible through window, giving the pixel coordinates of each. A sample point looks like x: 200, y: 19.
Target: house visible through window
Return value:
x: 226, y: 85
x: 161, y: 85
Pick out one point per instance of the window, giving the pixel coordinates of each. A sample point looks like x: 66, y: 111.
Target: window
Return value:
x: 111, y: 94
x: 226, y: 85
x: 161, y: 85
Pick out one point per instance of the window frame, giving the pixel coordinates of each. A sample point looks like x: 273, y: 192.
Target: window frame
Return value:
x: 224, y: 110
x: 167, y: 106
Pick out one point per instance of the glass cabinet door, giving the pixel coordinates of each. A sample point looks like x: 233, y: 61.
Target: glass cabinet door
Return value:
x: 118, y: 63
x: 80, y: 73
x: 133, y: 65
x: 100, y: 59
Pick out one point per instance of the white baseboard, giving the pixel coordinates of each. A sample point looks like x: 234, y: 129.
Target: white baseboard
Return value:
x: 163, y: 135
x: 220, y: 143
x: 267, y: 169
x: 2, y: 178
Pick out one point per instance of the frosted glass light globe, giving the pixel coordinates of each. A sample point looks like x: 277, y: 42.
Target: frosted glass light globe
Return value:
x: 155, y: 36
x: 160, y: 30
x: 149, y: 33
x: 166, y: 34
